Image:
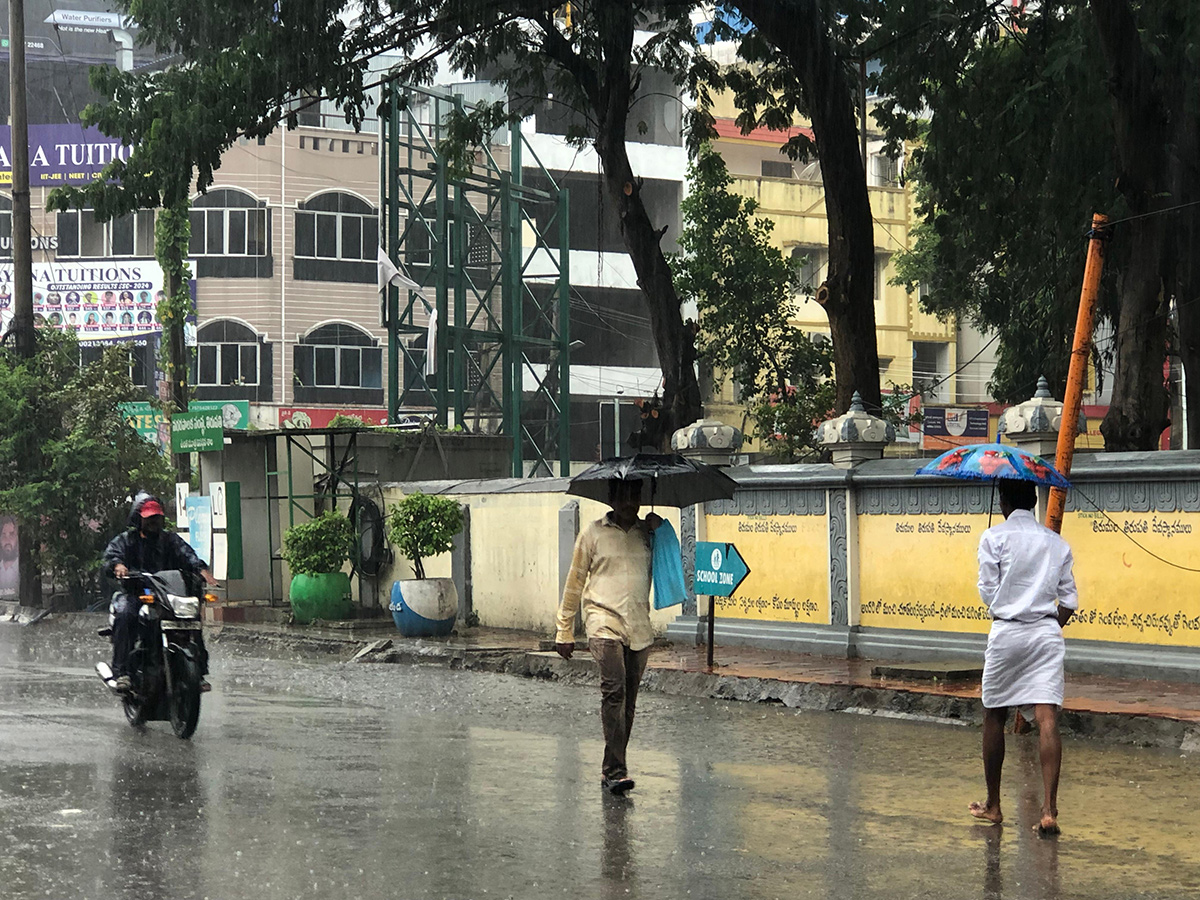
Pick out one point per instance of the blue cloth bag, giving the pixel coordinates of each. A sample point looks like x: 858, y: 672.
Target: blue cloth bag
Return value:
x: 667, y: 567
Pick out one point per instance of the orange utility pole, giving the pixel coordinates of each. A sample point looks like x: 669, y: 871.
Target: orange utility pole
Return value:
x: 1077, y: 374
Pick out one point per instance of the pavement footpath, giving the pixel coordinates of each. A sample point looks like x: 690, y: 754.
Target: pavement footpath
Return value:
x: 1150, y: 713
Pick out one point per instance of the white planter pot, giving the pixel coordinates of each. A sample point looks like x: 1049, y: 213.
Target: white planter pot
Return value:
x: 424, y: 607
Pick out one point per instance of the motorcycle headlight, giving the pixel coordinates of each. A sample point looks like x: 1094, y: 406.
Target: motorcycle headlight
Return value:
x: 185, y: 607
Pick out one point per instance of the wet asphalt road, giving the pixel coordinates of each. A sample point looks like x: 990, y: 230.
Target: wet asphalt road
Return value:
x: 315, y: 778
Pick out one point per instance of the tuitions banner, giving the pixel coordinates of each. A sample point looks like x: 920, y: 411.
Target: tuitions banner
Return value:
x: 62, y: 154
x: 102, y: 300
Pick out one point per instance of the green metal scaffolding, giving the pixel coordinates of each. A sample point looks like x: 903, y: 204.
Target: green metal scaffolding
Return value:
x: 491, y: 255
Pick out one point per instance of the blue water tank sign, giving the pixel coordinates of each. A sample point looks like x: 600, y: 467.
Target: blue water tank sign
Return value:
x: 719, y: 568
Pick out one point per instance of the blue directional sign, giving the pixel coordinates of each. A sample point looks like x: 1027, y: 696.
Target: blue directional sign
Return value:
x: 719, y: 569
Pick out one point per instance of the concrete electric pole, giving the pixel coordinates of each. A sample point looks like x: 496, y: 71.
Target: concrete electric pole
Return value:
x: 21, y: 330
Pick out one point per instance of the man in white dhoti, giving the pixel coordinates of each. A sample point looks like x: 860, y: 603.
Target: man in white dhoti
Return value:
x: 1026, y: 581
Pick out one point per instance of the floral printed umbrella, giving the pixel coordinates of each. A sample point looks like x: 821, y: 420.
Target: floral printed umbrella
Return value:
x: 988, y: 462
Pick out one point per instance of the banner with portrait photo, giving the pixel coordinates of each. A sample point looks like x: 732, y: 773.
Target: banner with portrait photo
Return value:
x: 105, y: 300
x: 10, y: 569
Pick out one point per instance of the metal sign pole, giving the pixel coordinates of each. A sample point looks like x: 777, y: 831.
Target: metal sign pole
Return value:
x: 712, y: 628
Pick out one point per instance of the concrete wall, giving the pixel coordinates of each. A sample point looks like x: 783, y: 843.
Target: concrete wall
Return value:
x: 378, y: 457
x: 880, y: 563
x: 515, y: 548
x: 873, y: 562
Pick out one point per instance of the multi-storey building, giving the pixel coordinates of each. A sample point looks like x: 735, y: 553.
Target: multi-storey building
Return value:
x: 283, y: 249
x: 915, y: 349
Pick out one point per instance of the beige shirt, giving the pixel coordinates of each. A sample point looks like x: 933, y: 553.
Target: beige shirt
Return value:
x: 610, y: 578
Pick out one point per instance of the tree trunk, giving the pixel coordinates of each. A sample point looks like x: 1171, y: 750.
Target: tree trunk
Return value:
x: 611, y: 94
x: 1139, y: 410
x: 1187, y: 305
x: 177, y: 371
x: 1185, y: 264
x: 800, y: 31
x: 171, y: 233
x: 1141, y: 125
x: 673, y: 339
x: 29, y: 590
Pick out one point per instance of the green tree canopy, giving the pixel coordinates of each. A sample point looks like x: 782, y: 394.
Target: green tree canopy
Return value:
x: 69, y: 462
x: 801, y: 58
x: 1008, y: 169
x: 243, y: 68
x: 1038, y: 116
x: 745, y: 289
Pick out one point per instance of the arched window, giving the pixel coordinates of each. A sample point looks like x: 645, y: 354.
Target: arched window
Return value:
x: 231, y: 235
x: 337, y: 236
x: 338, y: 362
x: 233, y: 362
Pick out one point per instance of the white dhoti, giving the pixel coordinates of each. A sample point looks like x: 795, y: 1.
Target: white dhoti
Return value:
x: 1023, y: 663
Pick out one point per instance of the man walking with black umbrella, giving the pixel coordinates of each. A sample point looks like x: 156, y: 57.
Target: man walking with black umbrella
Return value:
x: 610, y: 581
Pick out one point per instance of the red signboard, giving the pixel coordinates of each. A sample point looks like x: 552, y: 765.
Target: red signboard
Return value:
x: 320, y: 417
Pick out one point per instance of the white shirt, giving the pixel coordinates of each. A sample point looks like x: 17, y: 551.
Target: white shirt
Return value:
x: 1024, y: 567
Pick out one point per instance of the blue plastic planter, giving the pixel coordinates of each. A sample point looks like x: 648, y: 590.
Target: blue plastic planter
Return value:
x: 424, y: 608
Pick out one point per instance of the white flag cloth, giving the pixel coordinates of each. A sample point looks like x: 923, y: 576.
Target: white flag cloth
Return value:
x: 389, y: 273
x: 431, y: 344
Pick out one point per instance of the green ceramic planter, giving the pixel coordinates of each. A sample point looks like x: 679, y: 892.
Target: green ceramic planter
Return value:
x: 320, y: 597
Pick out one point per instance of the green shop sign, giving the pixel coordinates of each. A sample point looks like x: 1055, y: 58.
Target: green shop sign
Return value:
x: 145, y: 419
x: 197, y: 431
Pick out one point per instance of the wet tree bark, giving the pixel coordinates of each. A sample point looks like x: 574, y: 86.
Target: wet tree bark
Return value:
x: 802, y: 31
x: 610, y: 89
x: 1142, y: 129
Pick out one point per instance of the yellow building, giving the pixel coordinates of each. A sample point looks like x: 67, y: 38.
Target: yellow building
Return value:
x: 914, y: 347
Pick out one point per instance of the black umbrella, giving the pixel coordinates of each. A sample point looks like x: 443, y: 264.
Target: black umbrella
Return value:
x: 667, y: 480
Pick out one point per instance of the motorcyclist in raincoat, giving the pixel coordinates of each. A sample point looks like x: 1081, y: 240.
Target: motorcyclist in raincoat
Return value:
x: 145, y: 547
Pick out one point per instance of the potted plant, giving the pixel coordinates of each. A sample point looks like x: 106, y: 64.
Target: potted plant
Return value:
x: 421, y: 526
x: 315, y: 552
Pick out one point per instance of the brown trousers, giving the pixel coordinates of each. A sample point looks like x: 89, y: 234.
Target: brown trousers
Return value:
x: 620, y: 674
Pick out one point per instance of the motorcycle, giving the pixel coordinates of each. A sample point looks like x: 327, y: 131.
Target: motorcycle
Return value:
x: 165, y: 665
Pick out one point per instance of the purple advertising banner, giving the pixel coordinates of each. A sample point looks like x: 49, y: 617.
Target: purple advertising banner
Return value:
x: 61, y: 154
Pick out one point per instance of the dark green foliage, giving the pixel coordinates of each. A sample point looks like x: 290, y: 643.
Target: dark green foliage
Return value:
x: 745, y: 291
x: 424, y: 525
x: 1015, y: 158
x: 320, y: 545
x: 69, y: 462
x: 341, y: 420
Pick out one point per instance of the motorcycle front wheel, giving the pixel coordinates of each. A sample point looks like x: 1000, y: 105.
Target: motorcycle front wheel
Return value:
x: 185, y: 697
x: 134, y: 712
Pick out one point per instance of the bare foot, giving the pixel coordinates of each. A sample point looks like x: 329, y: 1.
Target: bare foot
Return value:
x: 983, y: 811
x: 1049, y: 823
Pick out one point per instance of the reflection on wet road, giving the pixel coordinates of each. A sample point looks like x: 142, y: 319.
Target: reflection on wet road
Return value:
x: 321, y: 779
